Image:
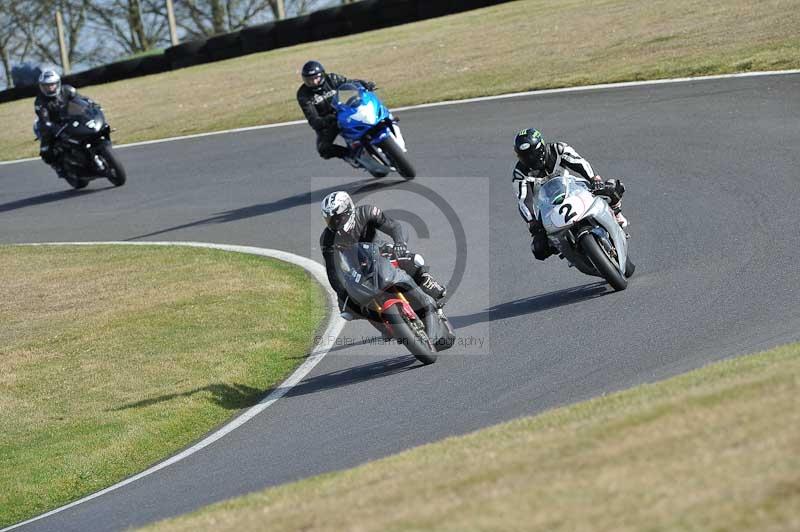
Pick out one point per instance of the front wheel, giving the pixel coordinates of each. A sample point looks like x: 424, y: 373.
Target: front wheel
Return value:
x: 115, y: 172
x: 411, y: 335
x: 76, y: 182
x: 602, y: 262
x: 397, y: 157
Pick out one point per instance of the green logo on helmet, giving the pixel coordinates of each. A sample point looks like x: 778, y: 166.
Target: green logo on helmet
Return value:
x: 534, y: 133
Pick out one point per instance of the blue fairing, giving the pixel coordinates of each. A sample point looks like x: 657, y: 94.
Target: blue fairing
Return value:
x: 359, y: 115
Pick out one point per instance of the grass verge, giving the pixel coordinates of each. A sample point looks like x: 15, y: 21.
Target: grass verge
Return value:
x: 523, y: 45
x: 715, y: 449
x: 114, y: 357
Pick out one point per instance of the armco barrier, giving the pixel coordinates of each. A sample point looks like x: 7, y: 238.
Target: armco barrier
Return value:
x: 258, y: 38
x: 358, y: 17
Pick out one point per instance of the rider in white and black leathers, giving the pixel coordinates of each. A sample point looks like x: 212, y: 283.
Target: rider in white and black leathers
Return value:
x: 348, y: 225
x: 540, y: 161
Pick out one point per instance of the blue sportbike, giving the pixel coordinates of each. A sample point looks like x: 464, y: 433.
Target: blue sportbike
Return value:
x: 369, y: 128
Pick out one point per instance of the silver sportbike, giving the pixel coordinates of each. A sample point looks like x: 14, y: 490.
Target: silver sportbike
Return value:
x: 581, y: 226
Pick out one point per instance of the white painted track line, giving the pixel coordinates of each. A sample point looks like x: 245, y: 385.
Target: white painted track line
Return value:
x: 460, y: 102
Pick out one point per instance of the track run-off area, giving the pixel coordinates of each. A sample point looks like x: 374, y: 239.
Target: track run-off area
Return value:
x: 711, y: 168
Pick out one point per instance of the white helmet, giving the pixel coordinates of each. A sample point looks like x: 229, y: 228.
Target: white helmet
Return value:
x: 339, y: 211
x: 50, y: 83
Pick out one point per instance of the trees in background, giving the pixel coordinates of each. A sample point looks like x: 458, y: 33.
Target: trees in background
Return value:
x: 102, y: 31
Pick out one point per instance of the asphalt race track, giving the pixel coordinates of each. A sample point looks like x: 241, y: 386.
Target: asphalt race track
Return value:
x: 713, y: 175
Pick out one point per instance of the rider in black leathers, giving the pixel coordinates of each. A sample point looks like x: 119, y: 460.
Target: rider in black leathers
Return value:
x: 315, y: 97
x: 348, y: 225
x: 52, y: 99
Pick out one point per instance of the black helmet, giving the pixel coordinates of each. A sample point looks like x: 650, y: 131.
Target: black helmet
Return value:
x: 313, y: 74
x: 531, y: 150
x: 49, y: 83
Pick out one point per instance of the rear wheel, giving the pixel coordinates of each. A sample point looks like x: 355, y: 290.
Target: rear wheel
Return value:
x: 602, y: 262
x: 115, y: 172
x: 411, y: 334
x: 397, y: 157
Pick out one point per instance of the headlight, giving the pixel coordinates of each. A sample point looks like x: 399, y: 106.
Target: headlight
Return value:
x: 93, y: 124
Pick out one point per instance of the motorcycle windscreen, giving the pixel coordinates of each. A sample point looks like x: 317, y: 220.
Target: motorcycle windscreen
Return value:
x: 78, y: 108
x: 366, y: 274
x: 555, y: 198
x: 348, y: 96
x: 356, y: 271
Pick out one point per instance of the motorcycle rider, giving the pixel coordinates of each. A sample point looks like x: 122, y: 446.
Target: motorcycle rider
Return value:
x: 52, y: 99
x: 540, y: 161
x: 315, y: 97
x: 348, y: 224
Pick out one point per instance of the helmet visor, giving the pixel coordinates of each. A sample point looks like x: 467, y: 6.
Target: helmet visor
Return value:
x: 338, y: 221
x: 535, y: 160
x: 314, y: 80
x: 49, y: 89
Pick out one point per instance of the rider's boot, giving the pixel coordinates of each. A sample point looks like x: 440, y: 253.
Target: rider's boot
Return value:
x: 540, y: 244
x: 372, y: 166
x: 430, y: 286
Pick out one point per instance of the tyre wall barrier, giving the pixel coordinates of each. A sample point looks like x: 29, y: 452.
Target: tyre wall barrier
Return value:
x: 293, y: 31
x: 225, y: 46
x: 258, y: 38
x: 186, y: 54
x: 348, y: 19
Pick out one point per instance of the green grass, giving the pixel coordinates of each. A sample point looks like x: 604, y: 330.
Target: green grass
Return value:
x: 523, y: 45
x: 114, y: 357
x: 715, y: 449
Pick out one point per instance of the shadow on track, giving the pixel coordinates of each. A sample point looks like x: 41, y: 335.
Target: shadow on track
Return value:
x: 230, y: 397
x: 533, y: 304
x: 354, y: 375
x: 260, y: 209
x: 50, y: 197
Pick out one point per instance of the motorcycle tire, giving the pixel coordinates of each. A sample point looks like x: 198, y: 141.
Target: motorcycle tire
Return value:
x: 630, y: 267
x: 77, y: 182
x: 418, y: 344
x: 602, y: 262
x: 398, y: 158
x: 116, y: 173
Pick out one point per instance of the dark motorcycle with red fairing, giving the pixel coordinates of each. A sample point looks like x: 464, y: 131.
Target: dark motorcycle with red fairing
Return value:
x: 392, y: 301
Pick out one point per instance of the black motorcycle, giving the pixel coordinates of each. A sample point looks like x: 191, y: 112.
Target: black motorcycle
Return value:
x: 84, y: 140
x: 393, y: 302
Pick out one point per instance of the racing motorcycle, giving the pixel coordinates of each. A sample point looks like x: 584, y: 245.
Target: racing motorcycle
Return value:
x: 85, y: 142
x: 582, y: 227
x: 366, y: 124
x: 392, y: 300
